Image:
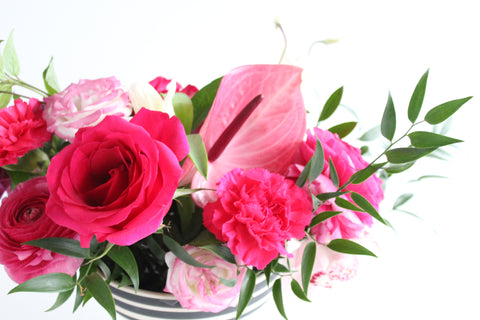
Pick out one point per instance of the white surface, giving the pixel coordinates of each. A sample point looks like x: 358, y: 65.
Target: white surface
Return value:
x: 429, y: 269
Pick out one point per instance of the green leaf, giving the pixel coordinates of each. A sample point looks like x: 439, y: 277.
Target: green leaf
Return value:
x: 5, y: 97
x: 371, y: 134
x: 331, y: 105
x: 362, y: 175
x: 61, y: 299
x: 342, y: 203
x: 246, y: 292
x: 416, y: 100
x: 314, y: 166
x: 202, y: 102
x: 308, y: 260
x: 423, y: 139
x: 389, y: 120
x: 221, y: 251
x: 322, y: 216
x: 403, y: 155
x: 297, y: 289
x: 10, y: 58
x: 329, y: 195
x: 104, y: 269
x: 349, y: 247
x: 278, y: 298
x: 343, y: 129
x: 198, y: 153
x: 50, y: 79
x: 397, y: 168
x: 2, y: 73
x: 124, y: 257
x: 366, y: 206
x: 442, y: 112
x: 401, y: 200
x: 101, y: 292
x: 333, y: 173
x: 51, y: 282
x: 183, y: 108
x: 65, y: 246
x: 181, y: 253
x: 78, y: 298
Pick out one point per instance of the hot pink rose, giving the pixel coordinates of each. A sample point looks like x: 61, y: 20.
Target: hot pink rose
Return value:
x: 22, y: 129
x: 347, y: 160
x: 202, y: 288
x: 160, y: 84
x: 85, y: 104
x: 117, y: 179
x: 256, y: 212
x: 23, y: 218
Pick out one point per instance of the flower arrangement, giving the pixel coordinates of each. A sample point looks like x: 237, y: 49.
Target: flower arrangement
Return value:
x: 187, y: 191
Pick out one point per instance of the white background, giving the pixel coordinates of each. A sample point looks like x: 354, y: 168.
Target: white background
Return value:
x: 426, y: 269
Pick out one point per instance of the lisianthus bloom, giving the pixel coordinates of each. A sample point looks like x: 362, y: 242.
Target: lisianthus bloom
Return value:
x: 22, y: 219
x: 203, y: 288
x: 347, y: 160
x: 22, y: 129
x: 160, y: 84
x: 85, y: 103
x: 117, y: 180
x: 256, y: 212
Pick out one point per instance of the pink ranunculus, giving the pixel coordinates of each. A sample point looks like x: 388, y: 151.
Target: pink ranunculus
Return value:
x: 160, y: 84
x: 202, y: 288
x: 84, y: 104
x: 347, y: 160
x: 330, y: 266
x: 22, y: 219
x: 22, y: 129
x: 256, y: 212
x: 117, y: 180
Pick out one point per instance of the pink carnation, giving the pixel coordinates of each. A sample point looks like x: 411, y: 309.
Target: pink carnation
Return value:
x: 202, y: 288
x: 160, y: 84
x: 85, y: 104
x: 347, y: 160
x: 22, y: 129
x: 23, y: 218
x: 256, y: 212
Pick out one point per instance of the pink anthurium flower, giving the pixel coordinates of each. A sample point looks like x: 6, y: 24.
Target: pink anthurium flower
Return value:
x: 267, y: 137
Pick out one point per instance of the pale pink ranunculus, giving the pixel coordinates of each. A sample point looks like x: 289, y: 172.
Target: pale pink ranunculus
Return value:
x: 202, y: 288
x: 330, y: 266
x: 22, y: 128
x: 347, y: 160
x: 256, y: 212
x: 117, y: 179
x: 22, y: 219
x: 85, y: 104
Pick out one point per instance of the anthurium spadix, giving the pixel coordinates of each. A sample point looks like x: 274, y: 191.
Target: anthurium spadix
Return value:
x: 267, y: 137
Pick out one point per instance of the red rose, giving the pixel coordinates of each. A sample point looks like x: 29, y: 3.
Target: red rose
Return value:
x: 22, y: 129
x: 256, y: 212
x: 117, y: 180
x: 23, y: 218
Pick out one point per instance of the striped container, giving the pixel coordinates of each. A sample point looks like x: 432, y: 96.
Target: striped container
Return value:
x: 148, y: 305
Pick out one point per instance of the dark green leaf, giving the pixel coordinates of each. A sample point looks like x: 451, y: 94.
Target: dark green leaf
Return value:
x: 278, y: 298
x: 51, y: 282
x: 280, y: 268
x: 50, y: 79
x: 389, y: 120
x: 202, y: 102
x: 401, y: 200
x: 229, y: 282
x: 101, y: 292
x: 366, y: 206
x: 221, y: 251
x: 364, y: 150
x: 362, y: 175
x: 342, y: 203
x: 246, y: 291
x: 5, y: 97
x: 442, y: 112
x: 331, y: 105
x: 297, y: 289
x: 124, y: 257
x: 17, y: 177
x: 329, y: 195
x: 155, y: 248
x: 397, y: 168
x: 78, y: 298
x: 423, y: 139
x: 198, y: 153
x: 308, y: 260
x: 104, y: 269
x: 343, y: 129
x: 403, y: 155
x: 61, y: 299
x: 416, y: 100
x: 371, y: 134
x: 314, y: 166
x: 10, y: 58
x: 65, y: 246
x: 333, y: 173
x: 322, y: 216
x: 302, y: 179
x: 349, y: 247
x: 181, y: 253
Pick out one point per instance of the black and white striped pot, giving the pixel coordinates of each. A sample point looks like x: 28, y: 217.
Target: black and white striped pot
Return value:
x: 149, y: 305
